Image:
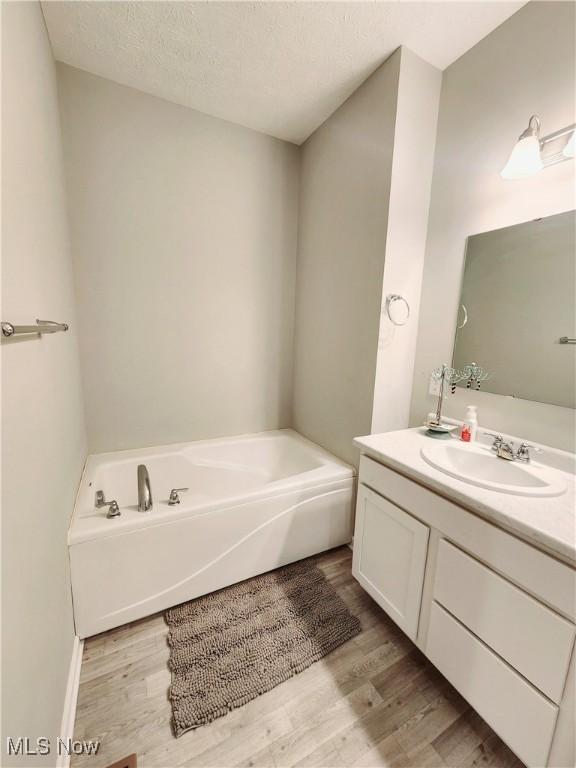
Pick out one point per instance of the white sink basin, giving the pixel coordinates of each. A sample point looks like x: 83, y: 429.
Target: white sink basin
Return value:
x: 480, y: 466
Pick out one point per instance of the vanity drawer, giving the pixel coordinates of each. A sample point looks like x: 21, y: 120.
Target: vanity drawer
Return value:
x: 547, y: 578
x: 519, y: 714
x: 532, y: 638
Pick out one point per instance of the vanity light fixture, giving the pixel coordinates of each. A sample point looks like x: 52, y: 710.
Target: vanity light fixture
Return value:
x: 528, y: 156
x: 525, y: 159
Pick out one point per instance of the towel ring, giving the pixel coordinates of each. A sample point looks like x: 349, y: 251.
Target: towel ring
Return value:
x: 464, y: 317
x: 390, y: 299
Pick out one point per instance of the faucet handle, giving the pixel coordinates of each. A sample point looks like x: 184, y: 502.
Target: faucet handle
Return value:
x: 523, y: 453
x: 498, y: 440
x: 113, y: 508
x: 174, y: 497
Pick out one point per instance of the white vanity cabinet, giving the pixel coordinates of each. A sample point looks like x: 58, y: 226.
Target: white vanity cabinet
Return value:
x: 495, y: 614
x: 390, y: 549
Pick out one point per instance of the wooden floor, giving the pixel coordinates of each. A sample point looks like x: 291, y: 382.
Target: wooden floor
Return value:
x: 375, y: 701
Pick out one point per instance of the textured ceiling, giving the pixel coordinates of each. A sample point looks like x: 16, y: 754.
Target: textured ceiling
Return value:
x: 278, y: 67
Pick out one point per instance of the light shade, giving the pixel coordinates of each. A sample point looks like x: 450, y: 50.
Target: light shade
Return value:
x: 525, y: 159
x: 569, y: 150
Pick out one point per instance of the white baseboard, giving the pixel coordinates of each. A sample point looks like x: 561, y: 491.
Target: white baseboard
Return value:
x: 70, y: 700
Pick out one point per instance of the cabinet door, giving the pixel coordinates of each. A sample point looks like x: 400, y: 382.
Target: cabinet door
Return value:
x: 390, y: 557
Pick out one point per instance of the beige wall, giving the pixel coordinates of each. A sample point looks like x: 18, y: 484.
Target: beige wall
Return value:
x: 365, y: 185
x: 411, y: 182
x: 344, y: 195
x: 42, y: 423
x: 184, y: 237
x: 525, y: 66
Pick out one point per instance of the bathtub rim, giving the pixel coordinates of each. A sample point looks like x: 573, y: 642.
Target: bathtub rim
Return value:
x: 336, y: 484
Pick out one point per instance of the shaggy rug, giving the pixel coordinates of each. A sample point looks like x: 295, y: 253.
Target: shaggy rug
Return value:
x: 231, y: 646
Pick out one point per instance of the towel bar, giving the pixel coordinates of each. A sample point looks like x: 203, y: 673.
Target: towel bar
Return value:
x: 42, y: 326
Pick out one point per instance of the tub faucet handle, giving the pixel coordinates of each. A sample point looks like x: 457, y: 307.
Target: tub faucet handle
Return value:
x: 174, y: 498
x: 113, y: 508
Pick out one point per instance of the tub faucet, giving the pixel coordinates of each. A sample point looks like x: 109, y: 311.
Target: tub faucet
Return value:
x: 144, y: 490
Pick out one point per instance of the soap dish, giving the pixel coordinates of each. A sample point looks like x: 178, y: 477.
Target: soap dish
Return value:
x: 444, y: 428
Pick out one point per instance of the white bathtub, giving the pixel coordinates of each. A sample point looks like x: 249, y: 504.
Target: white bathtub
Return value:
x: 255, y: 503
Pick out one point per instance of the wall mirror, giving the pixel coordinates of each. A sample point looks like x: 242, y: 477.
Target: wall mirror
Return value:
x: 517, y: 316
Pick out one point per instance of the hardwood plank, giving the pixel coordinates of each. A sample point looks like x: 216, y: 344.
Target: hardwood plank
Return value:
x: 262, y: 759
x: 387, y: 753
x: 492, y: 753
x: 239, y: 747
x: 324, y: 756
x: 377, y: 726
x: 425, y: 726
x: 461, y: 738
x: 301, y: 741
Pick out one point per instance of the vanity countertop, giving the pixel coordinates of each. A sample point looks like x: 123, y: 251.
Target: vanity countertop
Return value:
x: 548, y: 523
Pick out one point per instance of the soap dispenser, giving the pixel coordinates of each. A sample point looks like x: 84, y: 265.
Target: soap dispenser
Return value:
x: 469, y: 425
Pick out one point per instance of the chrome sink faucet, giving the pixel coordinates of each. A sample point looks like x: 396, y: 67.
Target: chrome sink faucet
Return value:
x: 144, y: 489
x: 505, y: 450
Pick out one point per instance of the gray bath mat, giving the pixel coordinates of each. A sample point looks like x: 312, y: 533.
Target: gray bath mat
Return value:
x: 229, y: 647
